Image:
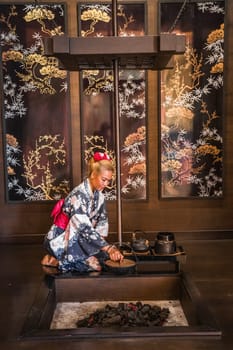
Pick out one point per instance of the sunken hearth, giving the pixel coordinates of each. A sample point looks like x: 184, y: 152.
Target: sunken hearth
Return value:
x: 115, y: 313
x: 158, y: 292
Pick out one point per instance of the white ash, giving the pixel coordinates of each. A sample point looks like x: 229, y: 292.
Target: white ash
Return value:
x: 67, y: 314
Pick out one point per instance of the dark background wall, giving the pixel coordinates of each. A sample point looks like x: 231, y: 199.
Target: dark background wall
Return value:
x: 188, y: 217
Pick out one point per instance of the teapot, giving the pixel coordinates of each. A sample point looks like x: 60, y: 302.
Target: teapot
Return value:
x: 139, y: 244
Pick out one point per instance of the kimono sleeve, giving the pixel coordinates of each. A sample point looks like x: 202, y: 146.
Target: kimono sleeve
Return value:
x: 102, y: 225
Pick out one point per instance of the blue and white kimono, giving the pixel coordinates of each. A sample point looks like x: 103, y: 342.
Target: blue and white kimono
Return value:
x: 86, y: 229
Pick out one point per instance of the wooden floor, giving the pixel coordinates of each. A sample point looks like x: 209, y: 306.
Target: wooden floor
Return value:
x: 208, y: 262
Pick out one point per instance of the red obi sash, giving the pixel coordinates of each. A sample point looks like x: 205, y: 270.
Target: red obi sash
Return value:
x: 60, y: 219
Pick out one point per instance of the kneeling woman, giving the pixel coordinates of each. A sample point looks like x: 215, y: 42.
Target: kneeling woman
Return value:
x: 78, y: 235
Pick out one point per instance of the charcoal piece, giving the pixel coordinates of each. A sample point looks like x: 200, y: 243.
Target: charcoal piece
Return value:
x: 145, y: 308
x: 131, y: 315
x: 82, y: 323
x: 156, y: 322
x: 111, y: 313
x: 156, y: 308
x: 114, y: 320
x: 122, y: 306
x: 139, y: 304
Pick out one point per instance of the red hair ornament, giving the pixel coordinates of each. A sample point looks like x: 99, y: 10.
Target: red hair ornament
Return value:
x: 98, y: 156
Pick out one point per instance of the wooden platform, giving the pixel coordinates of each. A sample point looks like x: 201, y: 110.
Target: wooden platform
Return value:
x: 208, y: 262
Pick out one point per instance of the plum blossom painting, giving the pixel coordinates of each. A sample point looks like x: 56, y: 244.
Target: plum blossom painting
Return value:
x: 97, y: 100
x: 35, y: 104
x: 191, y: 102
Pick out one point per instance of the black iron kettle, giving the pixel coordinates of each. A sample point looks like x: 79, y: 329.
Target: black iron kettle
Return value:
x: 165, y: 243
x: 139, y: 244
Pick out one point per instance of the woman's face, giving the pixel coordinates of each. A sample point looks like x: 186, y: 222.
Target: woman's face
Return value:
x: 100, y: 180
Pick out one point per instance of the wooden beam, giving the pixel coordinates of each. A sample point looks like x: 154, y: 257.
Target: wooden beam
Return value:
x: 153, y: 52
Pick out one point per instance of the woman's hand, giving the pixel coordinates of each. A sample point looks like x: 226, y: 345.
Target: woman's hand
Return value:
x: 114, y: 253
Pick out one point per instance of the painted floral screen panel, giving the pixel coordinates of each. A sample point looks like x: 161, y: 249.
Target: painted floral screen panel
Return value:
x: 191, y: 97
x: 97, y: 100
x: 36, y: 104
